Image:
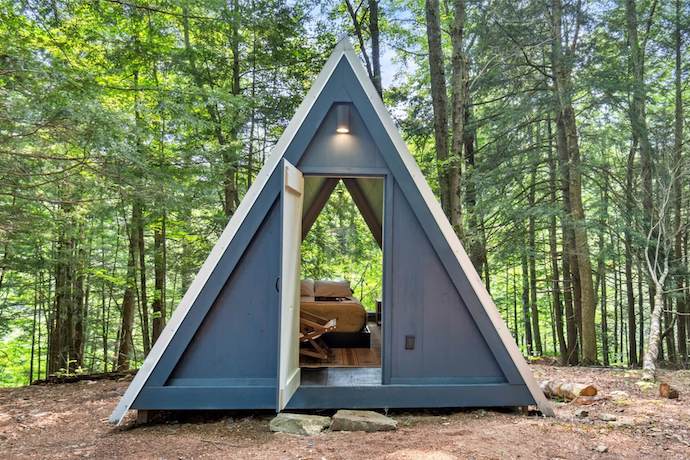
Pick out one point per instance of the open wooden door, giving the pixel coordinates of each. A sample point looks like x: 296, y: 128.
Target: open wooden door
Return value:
x: 291, y: 234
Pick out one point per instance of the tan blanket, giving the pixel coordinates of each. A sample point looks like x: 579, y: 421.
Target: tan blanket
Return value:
x: 349, y: 314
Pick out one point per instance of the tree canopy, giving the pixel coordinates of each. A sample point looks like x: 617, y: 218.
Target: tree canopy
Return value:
x: 553, y: 132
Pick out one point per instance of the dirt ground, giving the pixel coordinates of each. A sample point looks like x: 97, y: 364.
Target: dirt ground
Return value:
x: 70, y: 421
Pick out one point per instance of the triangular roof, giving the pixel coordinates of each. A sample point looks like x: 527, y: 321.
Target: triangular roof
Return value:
x: 342, y: 52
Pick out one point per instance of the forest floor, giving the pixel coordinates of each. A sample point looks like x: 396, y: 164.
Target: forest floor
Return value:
x: 70, y: 421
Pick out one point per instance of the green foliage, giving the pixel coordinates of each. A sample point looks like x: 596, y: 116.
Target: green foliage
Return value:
x: 340, y: 246
x: 104, y: 104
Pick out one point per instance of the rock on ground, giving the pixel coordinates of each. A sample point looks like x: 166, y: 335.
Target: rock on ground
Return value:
x: 606, y: 417
x: 667, y: 391
x: 581, y: 413
x: 619, y: 395
x: 623, y: 422
x: 362, y: 420
x: 302, y: 424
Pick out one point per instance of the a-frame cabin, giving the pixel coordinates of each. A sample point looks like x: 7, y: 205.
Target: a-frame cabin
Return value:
x: 232, y: 343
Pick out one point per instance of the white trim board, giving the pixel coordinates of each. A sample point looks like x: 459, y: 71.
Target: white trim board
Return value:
x: 343, y: 48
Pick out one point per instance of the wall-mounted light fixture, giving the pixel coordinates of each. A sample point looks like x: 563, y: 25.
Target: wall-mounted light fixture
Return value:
x: 343, y: 118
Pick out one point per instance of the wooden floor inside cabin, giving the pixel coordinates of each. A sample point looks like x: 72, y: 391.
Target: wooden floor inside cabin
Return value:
x: 350, y: 357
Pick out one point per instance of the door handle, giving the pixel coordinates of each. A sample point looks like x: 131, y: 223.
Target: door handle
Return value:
x: 278, y: 284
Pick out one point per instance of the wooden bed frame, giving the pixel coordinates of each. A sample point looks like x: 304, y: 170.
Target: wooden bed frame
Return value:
x: 361, y: 339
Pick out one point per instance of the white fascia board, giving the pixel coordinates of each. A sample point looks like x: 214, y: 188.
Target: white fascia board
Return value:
x: 227, y: 236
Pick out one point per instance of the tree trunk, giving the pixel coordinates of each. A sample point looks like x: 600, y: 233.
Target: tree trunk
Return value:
x: 602, y: 270
x: 374, y: 34
x: 686, y: 263
x: 357, y: 25
x: 138, y: 229
x: 525, y: 304
x: 589, y: 339
x: 475, y: 237
x: 61, y: 340
x: 681, y: 302
x: 79, y: 306
x: 629, y: 287
x: 640, y: 297
x: 515, y: 310
x: 105, y: 324
x: 601, y: 275
x: 439, y: 99
x: 487, y: 269
x: 650, y: 357
x: 33, y: 332
x: 158, y: 306
x: 638, y: 117
x: 230, y: 152
x: 532, y: 248
x: 555, y: 276
x: 458, y: 85
x: 45, y: 302
x: 563, y: 88
x: 638, y: 122
x: 669, y: 335
x: 516, y: 332
x: 128, y: 300
x: 571, y: 283
x: 617, y: 353
x: 41, y: 313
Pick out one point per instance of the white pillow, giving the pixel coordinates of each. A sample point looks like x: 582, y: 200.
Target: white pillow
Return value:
x: 328, y: 288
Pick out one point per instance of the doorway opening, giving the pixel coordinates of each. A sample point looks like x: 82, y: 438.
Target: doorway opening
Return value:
x: 341, y: 286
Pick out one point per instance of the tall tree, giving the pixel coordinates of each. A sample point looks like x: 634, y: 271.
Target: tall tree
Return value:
x: 532, y: 248
x: 628, y: 243
x: 561, y: 62
x: 638, y: 104
x: 553, y: 251
x: 681, y: 298
x: 439, y: 98
x: 637, y: 111
x: 126, y: 341
x: 61, y: 352
x: 160, y: 271
x: 601, y: 270
x: 658, y: 252
x: 359, y: 16
x: 375, y: 33
x: 458, y: 86
x: 529, y: 343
